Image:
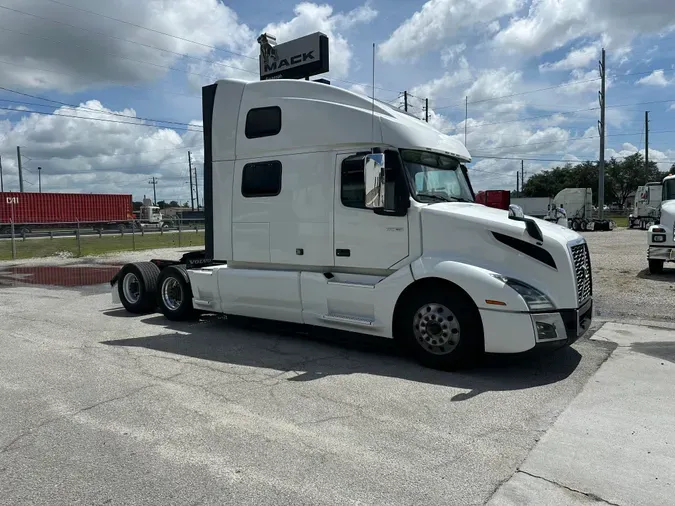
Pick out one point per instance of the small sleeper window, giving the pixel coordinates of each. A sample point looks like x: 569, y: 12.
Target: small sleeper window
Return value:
x: 263, y: 122
x: 261, y: 179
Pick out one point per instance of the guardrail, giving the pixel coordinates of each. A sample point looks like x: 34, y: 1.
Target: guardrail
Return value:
x: 59, y: 239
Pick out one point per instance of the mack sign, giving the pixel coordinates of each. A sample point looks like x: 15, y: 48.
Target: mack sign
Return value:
x: 296, y: 59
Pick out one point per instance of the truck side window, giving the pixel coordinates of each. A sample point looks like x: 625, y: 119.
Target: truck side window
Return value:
x: 261, y: 179
x: 352, y: 187
x: 263, y: 122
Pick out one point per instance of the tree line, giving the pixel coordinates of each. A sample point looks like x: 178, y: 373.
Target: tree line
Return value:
x: 622, y: 177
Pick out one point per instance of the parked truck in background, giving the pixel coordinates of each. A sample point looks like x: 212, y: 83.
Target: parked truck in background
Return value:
x: 537, y: 207
x: 34, y: 211
x: 661, y: 237
x: 646, y: 207
x: 326, y: 208
x: 578, y: 205
x: 498, y: 199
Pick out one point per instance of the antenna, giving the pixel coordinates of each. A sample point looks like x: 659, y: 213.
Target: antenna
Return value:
x: 372, y: 112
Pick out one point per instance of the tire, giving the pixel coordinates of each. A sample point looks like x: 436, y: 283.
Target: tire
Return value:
x: 174, y: 294
x: 583, y: 225
x: 137, y: 287
x: 655, y: 266
x: 575, y: 225
x: 441, y: 307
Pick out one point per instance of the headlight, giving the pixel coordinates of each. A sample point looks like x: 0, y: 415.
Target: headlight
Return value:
x: 659, y: 238
x: 535, y: 300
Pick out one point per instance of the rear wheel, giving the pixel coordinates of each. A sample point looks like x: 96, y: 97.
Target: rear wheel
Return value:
x: 656, y: 266
x: 137, y: 287
x: 441, y: 328
x: 583, y: 225
x: 174, y: 295
x: 575, y: 225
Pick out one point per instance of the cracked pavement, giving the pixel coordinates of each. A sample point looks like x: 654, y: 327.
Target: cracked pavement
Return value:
x: 99, y: 407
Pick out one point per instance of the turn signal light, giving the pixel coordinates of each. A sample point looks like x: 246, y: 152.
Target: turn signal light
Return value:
x: 495, y: 302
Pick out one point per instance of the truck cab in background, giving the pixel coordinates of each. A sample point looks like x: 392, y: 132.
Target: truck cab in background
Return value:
x: 647, y: 206
x: 326, y: 208
x: 660, y: 237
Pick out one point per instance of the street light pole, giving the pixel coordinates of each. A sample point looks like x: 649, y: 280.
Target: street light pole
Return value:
x: 40, y: 179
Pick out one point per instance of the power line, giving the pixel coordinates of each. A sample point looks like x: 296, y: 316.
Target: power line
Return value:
x: 85, y: 108
x: 95, y: 119
x: 181, y: 148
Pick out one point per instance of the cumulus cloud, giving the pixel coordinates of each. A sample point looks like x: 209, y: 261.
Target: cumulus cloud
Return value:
x: 439, y: 21
x: 656, y: 78
x: 575, y: 59
x: 78, y: 151
x: 309, y: 18
x: 550, y: 24
x: 52, y: 46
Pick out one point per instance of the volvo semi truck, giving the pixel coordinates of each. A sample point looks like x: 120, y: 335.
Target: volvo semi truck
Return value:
x: 327, y: 208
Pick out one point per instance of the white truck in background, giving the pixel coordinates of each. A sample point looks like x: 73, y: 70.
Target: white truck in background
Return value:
x: 326, y: 208
x: 578, y: 206
x: 646, y: 207
x: 661, y: 237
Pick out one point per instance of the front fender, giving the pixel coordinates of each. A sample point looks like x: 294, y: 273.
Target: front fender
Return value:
x: 477, y: 282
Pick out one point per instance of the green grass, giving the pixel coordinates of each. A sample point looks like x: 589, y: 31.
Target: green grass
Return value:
x: 621, y: 221
x: 94, y: 245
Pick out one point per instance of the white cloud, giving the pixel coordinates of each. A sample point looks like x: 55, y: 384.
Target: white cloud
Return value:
x: 76, y: 153
x: 309, y: 18
x: 550, y: 24
x: 656, y: 78
x: 578, y: 58
x: 450, y: 53
x: 437, y: 22
x: 54, y: 55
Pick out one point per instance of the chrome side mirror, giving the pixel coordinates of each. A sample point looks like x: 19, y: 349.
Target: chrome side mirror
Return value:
x: 374, y: 180
x: 516, y: 212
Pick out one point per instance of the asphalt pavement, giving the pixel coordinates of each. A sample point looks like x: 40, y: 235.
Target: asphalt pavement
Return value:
x: 99, y: 407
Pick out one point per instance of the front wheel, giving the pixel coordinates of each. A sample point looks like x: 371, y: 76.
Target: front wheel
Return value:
x: 441, y: 328
x: 655, y: 266
x: 174, y: 294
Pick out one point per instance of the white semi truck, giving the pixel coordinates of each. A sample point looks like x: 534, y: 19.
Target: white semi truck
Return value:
x: 328, y: 209
x: 646, y: 207
x: 661, y: 237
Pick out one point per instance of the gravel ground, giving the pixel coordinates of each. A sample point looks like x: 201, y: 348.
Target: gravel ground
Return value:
x: 622, y: 286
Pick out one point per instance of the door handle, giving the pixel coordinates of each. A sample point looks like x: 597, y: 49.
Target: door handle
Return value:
x: 342, y: 252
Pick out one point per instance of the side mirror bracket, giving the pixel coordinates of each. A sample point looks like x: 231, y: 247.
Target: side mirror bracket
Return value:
x: 516, y: 213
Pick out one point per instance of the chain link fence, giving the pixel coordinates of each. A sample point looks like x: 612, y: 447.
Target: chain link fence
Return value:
x: 36, y: 240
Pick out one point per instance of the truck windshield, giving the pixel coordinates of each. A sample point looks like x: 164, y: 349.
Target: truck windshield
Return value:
x: 435, y: 178
x: 669, y: 190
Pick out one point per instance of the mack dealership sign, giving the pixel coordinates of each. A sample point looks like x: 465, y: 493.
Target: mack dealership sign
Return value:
x: 295, y: 59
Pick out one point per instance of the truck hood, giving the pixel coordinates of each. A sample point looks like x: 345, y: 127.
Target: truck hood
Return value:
x: 498, y: 220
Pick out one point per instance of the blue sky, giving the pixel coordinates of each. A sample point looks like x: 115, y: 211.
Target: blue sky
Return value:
x: 528, y: 67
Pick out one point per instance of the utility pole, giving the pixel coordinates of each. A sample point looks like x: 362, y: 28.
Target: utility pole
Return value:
x: 646, y: 147
x: 153, y: 182
x: 40, y: 179
x: 601, y: 129
x: 517, y: 184
x: 2, y: 184
x: 426, y: 110
x: 197, y: 188
x: 192, y: 197
x: 466, y: 115
x: 522, y: 175
x: 405, y: 101
x: 18, y: 157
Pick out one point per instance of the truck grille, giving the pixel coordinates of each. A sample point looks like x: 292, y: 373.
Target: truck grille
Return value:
x: 582, y: 268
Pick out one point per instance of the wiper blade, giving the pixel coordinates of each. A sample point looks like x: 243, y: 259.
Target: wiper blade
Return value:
x: 434, y: 196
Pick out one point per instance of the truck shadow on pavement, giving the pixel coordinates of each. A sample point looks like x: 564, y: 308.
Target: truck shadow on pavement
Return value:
x: 667, y: 276
x: 313, y: 353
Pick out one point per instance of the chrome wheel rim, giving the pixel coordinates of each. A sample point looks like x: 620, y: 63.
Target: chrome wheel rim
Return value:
x: 172, y: 294
x: 131, y: 288
x: 436, y: 329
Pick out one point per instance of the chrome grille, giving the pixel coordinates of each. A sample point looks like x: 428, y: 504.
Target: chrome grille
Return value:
x: 582, y: 268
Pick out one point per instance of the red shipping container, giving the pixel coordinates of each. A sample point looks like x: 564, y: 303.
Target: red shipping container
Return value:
x: 35, y: 208
x: 499, y: 199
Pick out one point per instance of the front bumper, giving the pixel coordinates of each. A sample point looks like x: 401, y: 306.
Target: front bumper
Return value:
x: 571, y: 325
x: 666, y: 253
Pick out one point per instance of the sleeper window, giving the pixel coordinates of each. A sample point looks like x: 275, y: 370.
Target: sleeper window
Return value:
x: 263, y: 122
x: 261, y: 179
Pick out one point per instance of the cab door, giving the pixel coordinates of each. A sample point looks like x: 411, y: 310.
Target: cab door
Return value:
x: 363, y: 239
